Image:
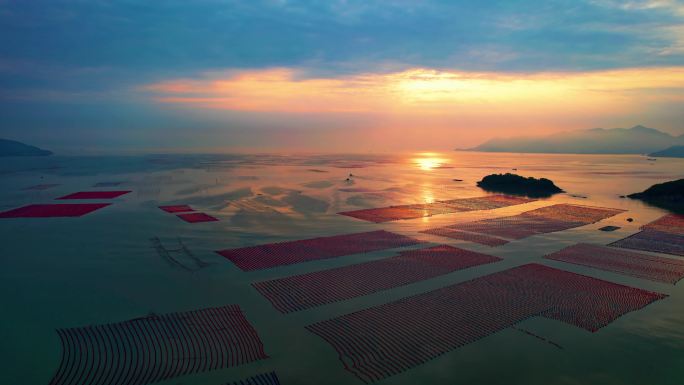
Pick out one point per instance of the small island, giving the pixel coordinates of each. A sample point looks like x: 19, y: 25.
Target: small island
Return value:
x: 515, y: 184
x: 668, y: 195
x: 14, y: 148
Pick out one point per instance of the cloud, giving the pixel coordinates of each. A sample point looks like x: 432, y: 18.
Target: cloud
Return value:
x: 422, y: 91
x: 74, y: 69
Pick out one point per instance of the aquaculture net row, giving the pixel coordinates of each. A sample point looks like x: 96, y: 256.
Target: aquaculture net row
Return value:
x: 392, y: 213
x: 639, y: 265
x: 539, y: 221
x: 304, y: 291
x: 385, y: 340
x: 287, y: 253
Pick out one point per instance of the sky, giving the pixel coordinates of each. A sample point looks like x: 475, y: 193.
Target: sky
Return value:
x: 333, y: 75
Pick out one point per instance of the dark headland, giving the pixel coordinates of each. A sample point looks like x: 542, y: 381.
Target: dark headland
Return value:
x: 515, y: 184
x: 14, y: 148
x: 670, y: 152
x: 668, y: 195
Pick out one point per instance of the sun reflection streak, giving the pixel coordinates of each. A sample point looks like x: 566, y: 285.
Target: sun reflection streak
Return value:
x: 428, y: 161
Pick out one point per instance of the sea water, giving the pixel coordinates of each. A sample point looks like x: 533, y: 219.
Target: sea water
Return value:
x: 103, y: 267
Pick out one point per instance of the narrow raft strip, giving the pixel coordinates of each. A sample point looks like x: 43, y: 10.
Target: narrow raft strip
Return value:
x: 288, y: 253
x: 385, y: 340
x: 393, y: 213
x: 638, y: 265
x: 155, y: 348
x: 95, y: 195
x: 498, y: 231
x: 482, y: 239
x: 197, y: 217
x: 176, y: 209
x: 314, y: 289
x: 53, y: 210
x: 671, y: 223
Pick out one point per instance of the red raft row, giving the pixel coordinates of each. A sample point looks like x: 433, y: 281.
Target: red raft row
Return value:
x: 197, y: 217
x: 393, y: 213
x: 188, y: 214
x: 671, y: 223
x: 385, y: 340
x: 664, y: 235
x: 176, y: 209
x: 158, y: 347
x: 639, y: 265
x: 53, y: 210
x: 314, y: 289
x: 95, y: 195
x: 260, y: 379
x: 498, y: 231
x: 288, y: 253
x: 467, y: 236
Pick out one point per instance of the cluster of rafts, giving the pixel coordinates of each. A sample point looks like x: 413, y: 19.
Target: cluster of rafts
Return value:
x: 55, y: 210
x: 385, y: 340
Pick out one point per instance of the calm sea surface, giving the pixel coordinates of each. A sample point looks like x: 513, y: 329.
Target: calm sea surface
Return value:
x: 102, y: 267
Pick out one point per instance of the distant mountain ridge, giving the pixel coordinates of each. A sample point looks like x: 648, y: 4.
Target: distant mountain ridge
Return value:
x: 635, y: 140
x: 14, y: 148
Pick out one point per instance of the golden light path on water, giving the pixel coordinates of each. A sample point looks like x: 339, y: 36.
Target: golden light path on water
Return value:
x: 428, y: 161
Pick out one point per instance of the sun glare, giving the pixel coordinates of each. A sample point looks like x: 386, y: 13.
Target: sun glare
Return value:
x: 428, y: 161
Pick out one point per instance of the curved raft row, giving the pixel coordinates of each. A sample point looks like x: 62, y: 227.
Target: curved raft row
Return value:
x: 157, y: 347
x: 385, y: 340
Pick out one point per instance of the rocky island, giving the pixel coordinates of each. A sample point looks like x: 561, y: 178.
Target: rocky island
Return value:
x: 668, y: 195
x: 515, y: 184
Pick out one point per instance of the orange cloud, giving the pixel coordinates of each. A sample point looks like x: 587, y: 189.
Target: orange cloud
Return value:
x: 426, y: 92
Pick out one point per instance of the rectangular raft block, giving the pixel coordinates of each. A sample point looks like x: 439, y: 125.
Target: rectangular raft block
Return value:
x: 197, y: 217
x: 95, y: 195
x: 575, y: 213
x: 53, y: 210
x: 655, y: 241
x: 638, y: 265
x: 176, y: 209
x: 393, y: 213
x: 671, y: 223
x: 309, y: 290
x: 482, y: 239
x: 385, y: 340
x: 287, y: 253
x: 385, y: 214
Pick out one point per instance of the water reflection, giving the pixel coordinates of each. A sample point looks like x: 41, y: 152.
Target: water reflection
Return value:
x: 428, y: 161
